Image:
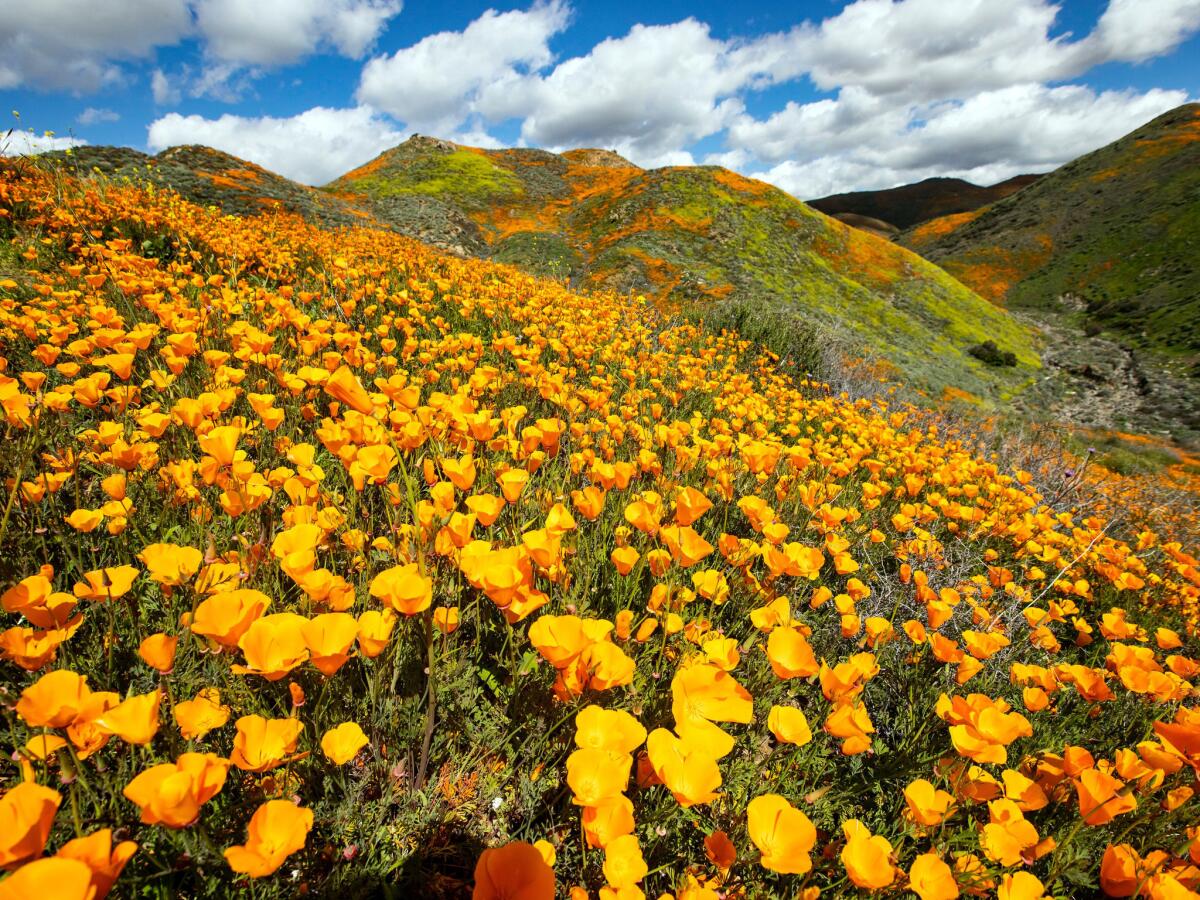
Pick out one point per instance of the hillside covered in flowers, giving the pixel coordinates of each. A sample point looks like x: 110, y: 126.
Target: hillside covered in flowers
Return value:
x: 333, y: 565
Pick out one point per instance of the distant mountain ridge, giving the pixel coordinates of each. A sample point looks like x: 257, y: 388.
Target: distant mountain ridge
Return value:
x: 911, y: 204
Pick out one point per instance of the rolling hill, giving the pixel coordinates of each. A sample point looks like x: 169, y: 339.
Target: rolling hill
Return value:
x: 696, y: 237
x: 911, y: 204
x: 1112, y: 238
x: 699, y: 240
x: 212, y: 178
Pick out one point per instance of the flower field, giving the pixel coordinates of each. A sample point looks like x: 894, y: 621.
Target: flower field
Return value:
x: 332, y: 565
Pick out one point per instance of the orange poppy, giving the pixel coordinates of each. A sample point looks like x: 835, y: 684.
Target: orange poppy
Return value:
x: 26, y: 817
x: 783, y: 834
x: 277, y: 829
x: 516, y: 871
x: 171, y: 794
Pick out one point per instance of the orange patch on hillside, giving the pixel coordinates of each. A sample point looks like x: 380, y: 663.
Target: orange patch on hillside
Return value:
x: 864, y: 257
x: 951, y: 393
x: 244, y: 174
x: 928, y: 232
x: 1180, y: 137
x: 223, y: 181
x: 369, y: 168
x: 992, y: 272
x: 742, y: 184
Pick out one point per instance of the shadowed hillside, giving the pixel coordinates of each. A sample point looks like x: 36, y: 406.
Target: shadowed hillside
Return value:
x: 912, y: 204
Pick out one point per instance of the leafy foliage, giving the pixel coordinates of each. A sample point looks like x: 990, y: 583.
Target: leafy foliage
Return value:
x: 334, y: 564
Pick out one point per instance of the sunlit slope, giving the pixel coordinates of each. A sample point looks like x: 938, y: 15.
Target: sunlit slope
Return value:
x: 1119, y: 229
x: 211, y: 177
x: 698, y: 235
x: 334, y: 565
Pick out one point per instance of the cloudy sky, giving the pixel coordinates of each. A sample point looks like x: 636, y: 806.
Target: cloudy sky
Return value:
x: 815, y: 96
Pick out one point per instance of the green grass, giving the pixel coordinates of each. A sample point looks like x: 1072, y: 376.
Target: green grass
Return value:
x: 461, y: 174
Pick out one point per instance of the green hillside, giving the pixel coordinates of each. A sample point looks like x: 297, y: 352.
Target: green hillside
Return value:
x: 1114, y: 234
x: 210, y: 177
x: 711, y: 240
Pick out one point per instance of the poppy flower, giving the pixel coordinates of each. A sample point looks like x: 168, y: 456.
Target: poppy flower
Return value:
x: 706, y: 692
x: 606, y: 820
x: 925, y: 804
x: 343, y: 385
x: 690, y: 505
x: 720, y: 850
x: 486, y: 508
x: 26, y: 817
x: 724, y: 653
x: 688, y: 770
x: 171, y: 794
x: 624, y: 559
x: 686, y: 545
x: 404, y: 589
x: 789, y: 725
x: 446, y: 619
x: 169, y: 564
x: 852, y: 723
x: 158, y: 652
x: 341, y: 744
x: 931, y: 879
x: 597, y: 775
x: 54, y: 700
x: 790, y: 654
x: 277, y: 829
x: 982, y: 728
x: 134, y: 720
x: 374, y: 631
x: 62, y: 879
x: 1020, y: 886
x: 867, y: 857
x: 97, y: 852
x: 589, y: 502
x: 227, y: 616
x: 1008, y: 836
x: 273, y: 645
x: 329, y: 638
x: 1102, y: 797
x: 561, y: 639
x: 106, y: 584
x: 262, y: 744
x: 512, y: 483
x: 783, y: 834
x: 516, y: 871
x: 200, y: 715
x: 597, y: 728
x: 624, y: 865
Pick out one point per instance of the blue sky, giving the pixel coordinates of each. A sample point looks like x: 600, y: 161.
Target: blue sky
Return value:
x: 814, y: 96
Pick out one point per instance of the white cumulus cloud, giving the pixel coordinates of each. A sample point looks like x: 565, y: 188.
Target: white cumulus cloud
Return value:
x: 276, y: 32
x: 986, y: 139
x: 313, y: 147
x: 434, y: 84
x: 75, y: 44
